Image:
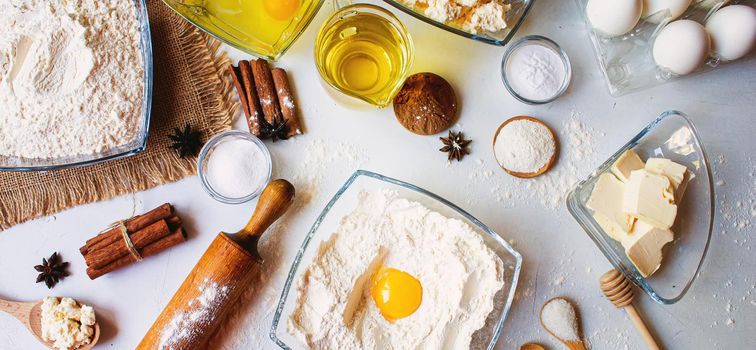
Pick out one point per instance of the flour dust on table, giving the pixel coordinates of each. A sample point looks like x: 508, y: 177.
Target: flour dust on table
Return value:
x: 70, y: 77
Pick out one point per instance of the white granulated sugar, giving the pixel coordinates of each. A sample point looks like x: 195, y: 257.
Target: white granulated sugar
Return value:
x: 560, y: 318
x: 182, y: 327
x: 459, y: 275
x: 524, y: 146
x: 237, y: 168
x: 535, y: 72
x: 70, y: 77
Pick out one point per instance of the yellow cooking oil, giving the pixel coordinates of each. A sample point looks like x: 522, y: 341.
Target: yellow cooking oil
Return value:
x: 365, y: 53
x: 262, y: 27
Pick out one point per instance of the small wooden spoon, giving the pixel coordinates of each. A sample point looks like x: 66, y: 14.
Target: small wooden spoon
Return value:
x: 548, y: 164
x: 619, y: 291
x: 30, y: 314
x: 572, y: 344
x: 532, y: 346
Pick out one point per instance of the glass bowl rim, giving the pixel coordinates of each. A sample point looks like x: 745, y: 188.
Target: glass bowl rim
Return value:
x: 403, y: 31
x: 366, y: 173
x: 573, y: 206
x: 140, y: 141
x: 211, y: 144
x: 539, y: 40
x: 491, y: 41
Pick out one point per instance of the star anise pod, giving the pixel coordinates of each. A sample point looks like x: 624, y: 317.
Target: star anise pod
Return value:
x: 275, y: 131
x: 186, y: 142
x: 52, y: 270
x: 455, y: 145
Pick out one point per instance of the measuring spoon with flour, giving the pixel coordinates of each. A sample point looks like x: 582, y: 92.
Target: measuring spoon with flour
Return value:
x: 559, y: 318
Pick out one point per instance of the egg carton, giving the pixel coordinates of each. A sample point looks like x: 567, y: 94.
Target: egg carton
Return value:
x: 627, y: 62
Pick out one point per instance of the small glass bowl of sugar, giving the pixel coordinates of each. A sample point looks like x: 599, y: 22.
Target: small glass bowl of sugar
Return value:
x: 234, y: 167
x: 535, y: 70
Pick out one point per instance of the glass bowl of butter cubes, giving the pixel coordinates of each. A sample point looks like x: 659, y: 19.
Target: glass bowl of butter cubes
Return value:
x: 650, y: 207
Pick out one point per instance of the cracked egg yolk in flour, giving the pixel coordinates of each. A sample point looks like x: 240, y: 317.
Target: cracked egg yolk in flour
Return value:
x: 396, y: 293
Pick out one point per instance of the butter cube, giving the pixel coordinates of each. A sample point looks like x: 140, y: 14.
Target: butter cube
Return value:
x: 606, y: 202
x: 673, y: 171
x: 644, y: 246
x: 625, y: 164
x: 648, y: 197
x: 614, y: 230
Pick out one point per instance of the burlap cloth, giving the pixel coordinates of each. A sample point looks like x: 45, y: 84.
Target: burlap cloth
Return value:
x: 189, y: 86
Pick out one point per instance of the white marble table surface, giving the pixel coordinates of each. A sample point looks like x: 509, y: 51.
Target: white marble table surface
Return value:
x: 719, y: 311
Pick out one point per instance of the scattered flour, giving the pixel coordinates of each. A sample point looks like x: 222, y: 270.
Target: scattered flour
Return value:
x: 577, y: 159
x: 182, y: 326
x: 70, y: 77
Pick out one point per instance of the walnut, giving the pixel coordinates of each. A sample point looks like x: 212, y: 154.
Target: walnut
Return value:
x: 426, y: 104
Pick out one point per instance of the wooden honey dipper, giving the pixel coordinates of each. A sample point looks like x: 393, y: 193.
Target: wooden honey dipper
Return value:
x: 619, y: 291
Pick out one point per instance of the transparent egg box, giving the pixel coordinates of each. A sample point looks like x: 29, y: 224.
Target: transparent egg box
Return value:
x: 627, y: 61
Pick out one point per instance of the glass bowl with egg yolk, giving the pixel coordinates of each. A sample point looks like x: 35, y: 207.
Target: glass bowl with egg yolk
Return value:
x: 396, y: 293
x: 264, y: 28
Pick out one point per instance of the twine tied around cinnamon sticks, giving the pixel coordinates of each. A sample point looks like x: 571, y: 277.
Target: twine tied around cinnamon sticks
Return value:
x: 128, y: 241
x: 121, y: 225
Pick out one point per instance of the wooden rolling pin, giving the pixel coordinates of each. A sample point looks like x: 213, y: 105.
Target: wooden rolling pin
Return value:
x: 619, y: 291
x: 212, y: 288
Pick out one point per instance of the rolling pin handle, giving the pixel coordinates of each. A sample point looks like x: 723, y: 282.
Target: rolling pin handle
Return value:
x: 274, y: 201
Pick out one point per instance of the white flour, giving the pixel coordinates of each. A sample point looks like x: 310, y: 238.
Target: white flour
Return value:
x: 560, y: 318
x: 182, y: 326
x: 70, y: 77
x: 458, y: 272
x: 524, y: 146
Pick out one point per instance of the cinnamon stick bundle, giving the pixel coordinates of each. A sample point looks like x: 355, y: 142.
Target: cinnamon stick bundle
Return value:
x: 267, y: 99
x: 148, y: 234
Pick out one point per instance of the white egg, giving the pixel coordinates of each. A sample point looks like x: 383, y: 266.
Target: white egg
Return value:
x: 681, y: 46
x: 614, y: 17
x: 675, y: 7
x: 733, y: 31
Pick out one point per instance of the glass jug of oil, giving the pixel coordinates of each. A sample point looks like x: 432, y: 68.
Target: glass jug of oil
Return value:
x: 264, y: 28
x: 365, y: 52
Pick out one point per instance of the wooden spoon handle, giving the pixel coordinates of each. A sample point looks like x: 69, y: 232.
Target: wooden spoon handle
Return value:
x: 274, y: 201
x: 18, y: 310
x: 575, y: 344
x: 641, y: 326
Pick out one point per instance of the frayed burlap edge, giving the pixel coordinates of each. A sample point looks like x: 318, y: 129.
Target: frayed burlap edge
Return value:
x: 208, y: 68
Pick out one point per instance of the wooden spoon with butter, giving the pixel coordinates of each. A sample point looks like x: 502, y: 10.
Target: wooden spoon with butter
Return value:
x: 546, y: 166
x: 30, y: 314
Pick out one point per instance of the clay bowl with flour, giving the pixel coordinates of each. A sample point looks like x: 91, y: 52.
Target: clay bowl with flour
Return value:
x: 545, y: 167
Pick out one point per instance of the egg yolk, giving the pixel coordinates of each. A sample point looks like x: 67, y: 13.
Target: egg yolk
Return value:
x: 396, y: 293
x: 281, y: 9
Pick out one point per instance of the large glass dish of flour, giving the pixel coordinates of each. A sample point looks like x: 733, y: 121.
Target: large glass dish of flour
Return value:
x: 344, y: 202
x: 135, y: 146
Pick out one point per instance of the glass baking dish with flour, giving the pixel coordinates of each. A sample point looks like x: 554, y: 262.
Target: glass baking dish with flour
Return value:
x: 344, y: 202
x: 137, y: 145
x: 674, y: 137
x: 627, y: 62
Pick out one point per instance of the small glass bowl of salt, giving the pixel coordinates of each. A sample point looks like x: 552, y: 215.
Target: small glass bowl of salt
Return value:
x: 234, y: 167
x: 535, y: 70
